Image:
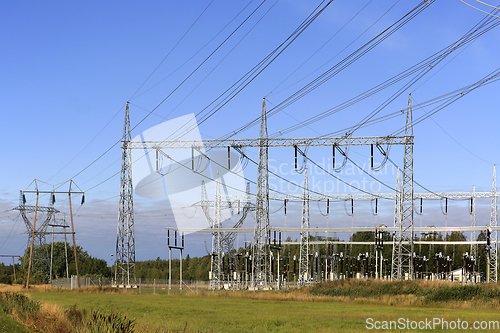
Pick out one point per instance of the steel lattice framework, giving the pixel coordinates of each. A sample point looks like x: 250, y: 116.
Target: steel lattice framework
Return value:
x: 271, y: 143
x: 41, y: 260
x: 259, y: 262
x: 404, y: 239
x: 493, y: 255
x: 304, y: 272
x: 396, y: 251
x: 217, y: 252
x: 125, y: 238
x: 369, y: 196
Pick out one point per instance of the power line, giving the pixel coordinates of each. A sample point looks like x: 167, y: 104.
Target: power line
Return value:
x: 255, y: 72
x: 320, y: 80
x: 175, y: 89
x: 171, y: 50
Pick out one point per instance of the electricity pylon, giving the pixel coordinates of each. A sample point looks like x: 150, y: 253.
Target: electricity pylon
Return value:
x: 304, y: 271
x: 493, y: 262
x: 259, y: 262
x: 404, y: 238
x: 125, y: 239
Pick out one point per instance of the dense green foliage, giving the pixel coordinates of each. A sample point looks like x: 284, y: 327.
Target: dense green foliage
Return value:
x: 192, y: 268
x: 40, y: 269
x: 6, y: 274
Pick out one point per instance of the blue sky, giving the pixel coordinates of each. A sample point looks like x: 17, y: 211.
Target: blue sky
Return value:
x: 68, y: 69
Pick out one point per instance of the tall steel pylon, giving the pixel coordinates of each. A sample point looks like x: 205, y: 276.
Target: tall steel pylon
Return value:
x: 259, y: 262
x: 395, y: 272
x: 404, y: 237
x: 304, y: 271
x: 217, y: 252
x: 125, y: 238
x: 493, y: 269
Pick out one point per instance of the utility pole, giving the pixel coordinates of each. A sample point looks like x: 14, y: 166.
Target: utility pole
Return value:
x: 32, y: 241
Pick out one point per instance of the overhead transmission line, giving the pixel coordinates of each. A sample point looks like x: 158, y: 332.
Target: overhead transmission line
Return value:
x: 345, y: 48
x: 175, y: 89
x: 445, y: 101
x: 197, y: 52
x: 439, y: 99
x: 481, y: 9
x: 302, y: 187
x: 485, y: 25
x: 220, y: 62
x: 340, y: 66
x: 423, y: 67
x: 240, y: 84
x: 147, y: 79
x: 172, y: 49
x: 253, y: 73
x: 491, y: 77
x: 466, y: 39
x: 321, y: 47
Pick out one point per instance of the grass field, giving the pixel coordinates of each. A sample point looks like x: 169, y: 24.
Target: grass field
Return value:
x: 9, y: 325
x: 245, y: 312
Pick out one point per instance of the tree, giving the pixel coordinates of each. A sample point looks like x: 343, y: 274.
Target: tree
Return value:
x: 87, y: 265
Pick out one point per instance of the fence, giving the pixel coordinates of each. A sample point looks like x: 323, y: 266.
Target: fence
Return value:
x: 144, y: 286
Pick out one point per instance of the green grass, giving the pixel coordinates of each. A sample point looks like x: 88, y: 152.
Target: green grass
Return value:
x: 10, y: 325
x: 227, y: 313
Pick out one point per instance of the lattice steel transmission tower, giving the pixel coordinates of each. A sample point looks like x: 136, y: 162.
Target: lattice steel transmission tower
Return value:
x: 493, y: 262
x: 304, y: 271
x: 217, y: 252
x: 404, y: 240
x: 46, y: 216
x: 259, y: 262
x: 395, y: 272
x: 125, y: 239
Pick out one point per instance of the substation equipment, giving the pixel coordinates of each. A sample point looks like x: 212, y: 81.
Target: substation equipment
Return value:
x: 259, y: 269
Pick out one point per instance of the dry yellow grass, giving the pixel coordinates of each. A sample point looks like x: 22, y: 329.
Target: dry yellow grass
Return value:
x: 22, y: 288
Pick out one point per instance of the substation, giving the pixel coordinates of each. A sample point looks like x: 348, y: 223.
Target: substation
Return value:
x: 266, y: 261
x: 270, y: 259
x: 391, y: 252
